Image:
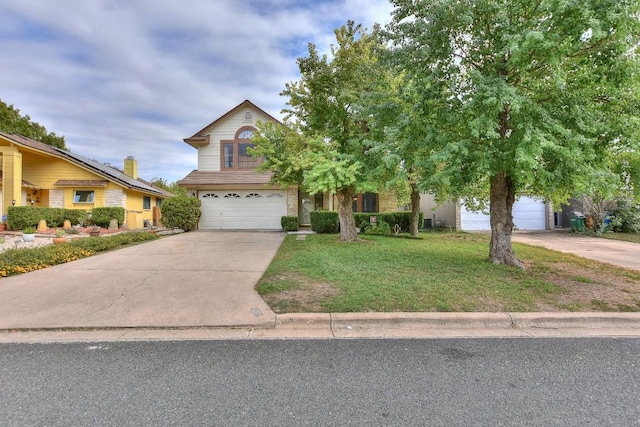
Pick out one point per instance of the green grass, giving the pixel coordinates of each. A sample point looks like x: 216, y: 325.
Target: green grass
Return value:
x: 440, y: 272
x: 627, y: 237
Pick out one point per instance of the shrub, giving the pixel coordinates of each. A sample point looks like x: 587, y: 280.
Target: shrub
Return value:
x: 402, y: 219
x: 19, y: 217
x: 325, y: 222
x: 625, y: 218
x: 289, y: 223
x: 103, y: 216
x: 380, y: 227
x: 181, y: 212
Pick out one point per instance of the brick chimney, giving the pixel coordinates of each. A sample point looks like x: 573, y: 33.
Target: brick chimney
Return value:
x: 131, y: 167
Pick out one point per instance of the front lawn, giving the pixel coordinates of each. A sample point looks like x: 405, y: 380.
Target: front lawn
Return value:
x: 439, y: 272
x: 627, y: 237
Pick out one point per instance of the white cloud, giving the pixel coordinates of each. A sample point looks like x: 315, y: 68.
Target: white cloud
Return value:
x: 120, y: 78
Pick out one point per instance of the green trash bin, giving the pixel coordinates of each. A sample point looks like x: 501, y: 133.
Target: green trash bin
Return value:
x: 577, y: 221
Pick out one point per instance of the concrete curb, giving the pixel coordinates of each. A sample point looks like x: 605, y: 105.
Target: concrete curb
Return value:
x: 364, y: 325
x: 426, y: 325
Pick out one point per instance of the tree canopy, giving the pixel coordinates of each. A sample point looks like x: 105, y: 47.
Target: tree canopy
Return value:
x: 325, y: 144
x: 11, y: 121
x: 519, y: 96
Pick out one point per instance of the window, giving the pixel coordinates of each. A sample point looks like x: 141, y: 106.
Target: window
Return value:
x: 146, y: 203
x: 227, y: 149
x: 235, y: 154
x: 83, y: 196
x: 365, y: 202
x: 245, y: 161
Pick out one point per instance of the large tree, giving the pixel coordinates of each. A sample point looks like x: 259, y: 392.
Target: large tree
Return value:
x: 532, y: 96
x: 11, y: 121
x: 325, y: 145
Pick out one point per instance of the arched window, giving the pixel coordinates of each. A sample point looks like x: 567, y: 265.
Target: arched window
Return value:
x: 234, y: 154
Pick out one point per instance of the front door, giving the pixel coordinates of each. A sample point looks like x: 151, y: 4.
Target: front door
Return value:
x: 307, y: 204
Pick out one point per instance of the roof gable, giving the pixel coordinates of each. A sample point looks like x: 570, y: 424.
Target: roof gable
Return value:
x: 243, y: 105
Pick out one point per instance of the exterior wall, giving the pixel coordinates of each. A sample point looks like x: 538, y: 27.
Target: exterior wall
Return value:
x: 134, y: 213
x: 56, y: 198
x: 292, y: 201
x: 445, y: 215
x: 115, y: 198
x: 550, y: 216
x: 45, y: 171
x: 209, y: 155
x: 387, y: 202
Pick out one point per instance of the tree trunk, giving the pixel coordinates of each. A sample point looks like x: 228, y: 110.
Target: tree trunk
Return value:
x: 502, y: 197
x: 348, y: 231
x: 415, y: 210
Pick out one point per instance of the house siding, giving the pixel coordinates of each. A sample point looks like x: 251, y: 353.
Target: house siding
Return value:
x: 209, y: 155
x: 45, y: 171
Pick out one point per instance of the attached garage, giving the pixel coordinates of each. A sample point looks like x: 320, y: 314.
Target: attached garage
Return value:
x: 528, y: 214
x: 242, y: 209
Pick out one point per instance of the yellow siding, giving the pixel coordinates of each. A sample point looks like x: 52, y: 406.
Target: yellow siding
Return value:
x: 135, y: 214
x: 45, y: 171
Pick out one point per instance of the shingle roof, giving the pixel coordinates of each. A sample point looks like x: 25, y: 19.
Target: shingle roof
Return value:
x: 203, y: 178
x: 96, y: 167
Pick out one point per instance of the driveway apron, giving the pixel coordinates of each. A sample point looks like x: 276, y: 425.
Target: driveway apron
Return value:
x: 616, y: 252
x: 194, y: 279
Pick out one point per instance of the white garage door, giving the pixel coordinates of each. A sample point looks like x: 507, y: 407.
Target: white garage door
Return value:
x: 242, y: 210
x: 528, y: 214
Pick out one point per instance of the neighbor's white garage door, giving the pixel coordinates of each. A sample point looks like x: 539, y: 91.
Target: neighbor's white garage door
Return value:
x: 242, y: 210
x: 528, y: 214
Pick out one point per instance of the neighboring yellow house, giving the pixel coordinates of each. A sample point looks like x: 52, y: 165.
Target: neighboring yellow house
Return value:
x: 37, y: 174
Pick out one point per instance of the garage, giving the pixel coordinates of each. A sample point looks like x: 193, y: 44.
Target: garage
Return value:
x: 528, y: 214
x: 242, y: 210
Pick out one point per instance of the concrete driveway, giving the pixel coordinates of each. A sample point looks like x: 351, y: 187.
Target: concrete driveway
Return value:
x: 624, y: 254
x: 195, y: 279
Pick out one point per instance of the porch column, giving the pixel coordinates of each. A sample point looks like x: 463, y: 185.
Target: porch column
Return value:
x: 11, y: 178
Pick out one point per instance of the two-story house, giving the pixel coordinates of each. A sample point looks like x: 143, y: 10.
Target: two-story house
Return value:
x: 234, y: 195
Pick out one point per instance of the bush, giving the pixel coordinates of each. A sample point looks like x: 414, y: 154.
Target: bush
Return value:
x: 289, y: 223
x: 181, y: 212
x: 19, y: 217
x: 325, y: 222
x: 102, y: 216
x: 16, y: 261
x: 381, y: 228
x: 402, y: 219
x: 625, y: 218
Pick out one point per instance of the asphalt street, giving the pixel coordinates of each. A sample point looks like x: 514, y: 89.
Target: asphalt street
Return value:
x: 436, y: 382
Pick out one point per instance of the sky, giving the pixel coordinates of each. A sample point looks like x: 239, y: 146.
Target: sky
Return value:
x: 121, y: 78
